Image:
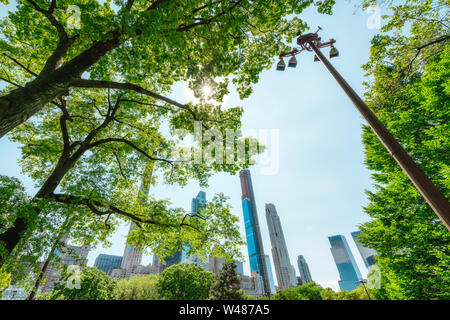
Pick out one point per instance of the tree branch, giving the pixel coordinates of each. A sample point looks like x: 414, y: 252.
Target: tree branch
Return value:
x: 20, y: 64
x: 131, y: 144
x: 103, y: 84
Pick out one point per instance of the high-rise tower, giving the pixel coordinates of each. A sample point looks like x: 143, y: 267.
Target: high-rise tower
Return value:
x: 132, y: 255
x: 367, y: 254
x: 303, y: 268
x: 252, y: 230
x: 280, y: 255
x: 345, y: 263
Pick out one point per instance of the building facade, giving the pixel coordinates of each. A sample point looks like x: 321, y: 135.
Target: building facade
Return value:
x: 345, y: 263
x: 138, y: 270
x: 252, y: 230
x: 367, y: 254
x: 107, y: 262
x: 303, y: 268
x: 273, y: 289
x: 283, y: 268
x: 132, y: 255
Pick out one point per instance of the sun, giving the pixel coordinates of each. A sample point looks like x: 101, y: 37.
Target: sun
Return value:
x: 206, y: 91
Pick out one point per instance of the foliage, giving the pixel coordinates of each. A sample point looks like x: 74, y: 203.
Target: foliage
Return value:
x: 152, y: 45
x: 93, y: 285
x: 409, y: 91
x: 185, y: 281
x: 15, y: 203
x: 138, y: 288
x: 227, y: 285
x: 308, y: 291
x: 358, y: 294
x: 313, y: 291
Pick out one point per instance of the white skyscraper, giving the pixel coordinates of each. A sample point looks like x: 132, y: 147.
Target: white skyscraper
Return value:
x: 283, y: 268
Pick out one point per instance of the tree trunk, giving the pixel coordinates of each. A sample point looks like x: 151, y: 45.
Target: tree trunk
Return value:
x: 20, y: 104
x: 13, y: 235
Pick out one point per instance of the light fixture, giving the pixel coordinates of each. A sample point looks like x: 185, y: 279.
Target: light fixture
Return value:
x: 292, y: 62
x: 281, y: 65
x: 316, y: 58
x: 334, y: 52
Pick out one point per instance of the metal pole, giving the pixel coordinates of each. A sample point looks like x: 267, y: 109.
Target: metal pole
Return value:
x: 364, y: 285
x: 436, y: 200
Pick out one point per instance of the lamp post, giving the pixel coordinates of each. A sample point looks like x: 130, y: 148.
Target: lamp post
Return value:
x: 363, y: 282
x: 436, y: 200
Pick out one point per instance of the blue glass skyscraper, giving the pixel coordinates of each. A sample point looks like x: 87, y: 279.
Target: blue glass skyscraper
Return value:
x: 107, y: 262
x: 367, y: 254
x: 252, y: 230
x: 345, y: 263
x: 273, y: 290
x: 199, y: 200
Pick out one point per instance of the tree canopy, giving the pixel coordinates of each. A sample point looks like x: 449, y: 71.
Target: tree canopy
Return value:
x: 408, y: 89
x: 50, y: 48
x: 185, y: 281
x: 138, y: 288
x: 92, y: 284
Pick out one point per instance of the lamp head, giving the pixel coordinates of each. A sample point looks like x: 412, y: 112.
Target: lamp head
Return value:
x: 281, y: 65
x: 334, y: 52
x: 292, y: 62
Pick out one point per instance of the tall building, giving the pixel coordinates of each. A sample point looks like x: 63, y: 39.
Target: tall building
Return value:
x: 132, y: 255
x: 168, y: 261
x: 215, y: 264
x: 273, y: 290
x: 67, y: 255
x: 303, y: 268
x: 138, y: 270
x: 107, y: 262
x: 199, y: 200
x: 345, y: 263
x: 283, y: 268
x: 196, y: 203
x: 367, y: 254
x: 252, y: 230
x: 239, y: 268
x: 73, y: 255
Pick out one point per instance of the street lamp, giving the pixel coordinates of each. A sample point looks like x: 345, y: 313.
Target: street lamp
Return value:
x: 436, y: 200
x: 363, y: 282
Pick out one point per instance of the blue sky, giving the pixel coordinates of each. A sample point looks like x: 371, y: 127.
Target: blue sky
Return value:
x: 319, y: 188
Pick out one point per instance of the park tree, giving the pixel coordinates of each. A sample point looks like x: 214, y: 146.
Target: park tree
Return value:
x: 357, y: 294
x: 87, y: 284
x: 138, y: 288
x: 408, y: 89
x: 308, y: 291
x: 50, y: 47
x: 90, y: 166
x: 185, y: 281
x: 227, y: 285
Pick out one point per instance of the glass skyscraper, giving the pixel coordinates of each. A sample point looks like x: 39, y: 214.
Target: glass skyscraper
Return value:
x: 345, y: 263
x: 367, y: 254
x: 252, y: 230
x: 273, y: 290
x: 303, y: 268
x: 107, y: 262
x: 199, y: 200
